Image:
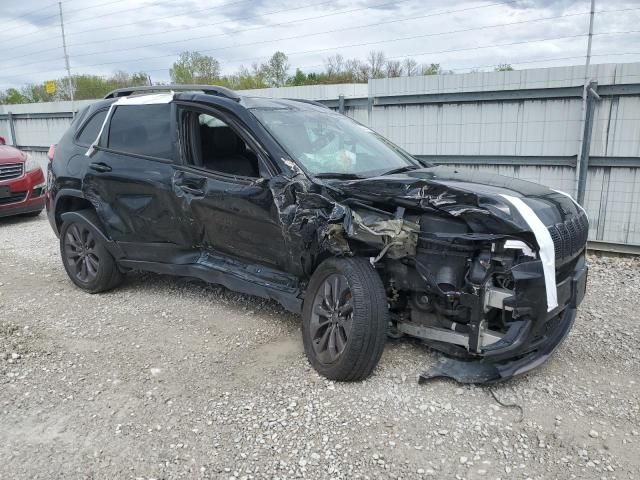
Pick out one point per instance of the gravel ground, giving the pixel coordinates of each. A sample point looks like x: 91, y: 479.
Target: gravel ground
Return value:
x: 167, y: 378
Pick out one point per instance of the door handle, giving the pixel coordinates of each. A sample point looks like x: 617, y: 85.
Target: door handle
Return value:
x: 100, y: 167
x: 191, y: 191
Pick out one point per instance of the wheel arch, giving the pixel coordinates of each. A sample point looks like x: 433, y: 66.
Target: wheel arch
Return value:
x: 69, y: 200
x: 89, y: 218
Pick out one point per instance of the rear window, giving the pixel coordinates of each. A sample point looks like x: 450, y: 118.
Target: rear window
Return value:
x: 142, y: 130
x: 92, y: 128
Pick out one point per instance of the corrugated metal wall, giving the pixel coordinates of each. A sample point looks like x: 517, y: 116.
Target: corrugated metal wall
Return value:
x: 524, y: 124
x: 538, y: 130
x: 312, y: 92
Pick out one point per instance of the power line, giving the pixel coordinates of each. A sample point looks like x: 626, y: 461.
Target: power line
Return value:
x: 146, y: 20
x: 320, y: 33
x: 234, y: 32
x: 209, y: 25
x: 307, y: 35
x: 391, y: 40
x: 153, y: 4
x: 28, y: 14
x: 294, y: 37
x: 455, y: 50
x: 614, y: 54
x: 104, y: 5
x: 189, y: 12
x: 539, y: 60
x: 55, y: 14
x: 477, y: 47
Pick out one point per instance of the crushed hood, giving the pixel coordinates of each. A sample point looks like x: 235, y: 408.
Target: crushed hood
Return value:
x: 477, y: 198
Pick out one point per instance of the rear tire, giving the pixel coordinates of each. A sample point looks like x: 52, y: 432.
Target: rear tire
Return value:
x: 87, y: 262
x: 345, y: 319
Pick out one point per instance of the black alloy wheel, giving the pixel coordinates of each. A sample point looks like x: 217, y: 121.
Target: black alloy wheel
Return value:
x: 80, y: 252
x: 345, y: 319
x: 331, y: 318
x: 84, y: 254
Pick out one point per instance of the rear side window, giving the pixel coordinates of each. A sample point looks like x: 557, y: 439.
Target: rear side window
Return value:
x: 92, y: 128
x: 142, y: 130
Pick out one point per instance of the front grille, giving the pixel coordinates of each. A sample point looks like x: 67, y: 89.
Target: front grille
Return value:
x: 570, y: 237
x: 11, y: 170
x: 13, y: 198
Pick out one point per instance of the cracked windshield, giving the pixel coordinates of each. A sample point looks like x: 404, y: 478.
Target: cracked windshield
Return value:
x: 328, y: 144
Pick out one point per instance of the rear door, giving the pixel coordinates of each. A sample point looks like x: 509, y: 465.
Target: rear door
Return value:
x: 129, y: 180
x: 224, y: 177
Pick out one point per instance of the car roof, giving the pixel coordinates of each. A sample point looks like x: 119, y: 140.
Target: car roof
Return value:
x: 204, y: 94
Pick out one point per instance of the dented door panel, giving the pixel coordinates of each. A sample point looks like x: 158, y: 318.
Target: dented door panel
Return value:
x: 232, y: 215
x: 137, y: 205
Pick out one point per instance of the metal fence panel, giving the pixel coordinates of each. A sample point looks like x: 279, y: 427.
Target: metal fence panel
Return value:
x: 524, y: 124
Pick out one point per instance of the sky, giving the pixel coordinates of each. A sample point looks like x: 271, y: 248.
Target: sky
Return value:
x: 104, y: 36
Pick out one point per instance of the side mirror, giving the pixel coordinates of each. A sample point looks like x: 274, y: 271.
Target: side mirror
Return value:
x: 2, y: 141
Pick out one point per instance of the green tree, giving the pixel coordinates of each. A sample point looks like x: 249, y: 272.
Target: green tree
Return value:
x: 34, y: 93
x: 247, y: 78
x: 503, y: 67
x: 432, y: 69
x: 13, y: 96
x: 194, y: 67
x: 275, y: 70
x: 410, y: 67
x: 300, y: 78
x: 376, y: 63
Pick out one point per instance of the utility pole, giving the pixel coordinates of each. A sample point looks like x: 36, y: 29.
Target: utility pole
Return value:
x: 583, y: 159
x: 66, y: 60
x: 588, y: 61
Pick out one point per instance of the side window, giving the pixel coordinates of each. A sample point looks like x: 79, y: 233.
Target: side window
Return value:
x: 212, y: 144
x: 91, y: 129
x: 142, y: 129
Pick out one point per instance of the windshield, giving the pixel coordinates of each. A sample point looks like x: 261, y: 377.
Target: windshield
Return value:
x: 330, y: 144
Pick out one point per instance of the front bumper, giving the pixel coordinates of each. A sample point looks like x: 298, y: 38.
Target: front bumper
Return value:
x: 24, y: 194
x: 526, y: 346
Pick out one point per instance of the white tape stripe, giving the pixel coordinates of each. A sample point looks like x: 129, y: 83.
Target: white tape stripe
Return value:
x: 547, y: 250
x: 573, y: 200
x: 93, y: 145
x: 158, y: 98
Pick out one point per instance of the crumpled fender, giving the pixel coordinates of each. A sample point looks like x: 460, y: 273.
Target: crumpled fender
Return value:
x: 89, y: 219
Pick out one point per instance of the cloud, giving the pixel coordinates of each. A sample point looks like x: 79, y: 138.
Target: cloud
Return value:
x: 147, y: 35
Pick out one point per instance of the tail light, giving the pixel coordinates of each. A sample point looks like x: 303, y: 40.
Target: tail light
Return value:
x: 2, y: 141
x: 51, y: 152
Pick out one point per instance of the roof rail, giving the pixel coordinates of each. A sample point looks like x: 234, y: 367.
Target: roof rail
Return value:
x: 208, y: 89
x: 310, y: 102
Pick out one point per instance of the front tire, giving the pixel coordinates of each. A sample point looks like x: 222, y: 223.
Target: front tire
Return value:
x: 345, y: 319
x: 87, y: 262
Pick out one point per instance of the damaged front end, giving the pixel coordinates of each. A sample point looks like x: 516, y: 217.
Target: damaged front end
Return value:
x: 464, y: 274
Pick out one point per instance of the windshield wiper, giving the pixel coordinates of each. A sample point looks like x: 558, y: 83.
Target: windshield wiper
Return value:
x: 341, y: 175
x: 401, y: 169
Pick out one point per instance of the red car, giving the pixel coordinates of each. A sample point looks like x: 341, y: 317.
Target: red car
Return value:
x: 22, y: 183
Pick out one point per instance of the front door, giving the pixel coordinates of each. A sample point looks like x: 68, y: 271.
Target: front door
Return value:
x: 225, y: 181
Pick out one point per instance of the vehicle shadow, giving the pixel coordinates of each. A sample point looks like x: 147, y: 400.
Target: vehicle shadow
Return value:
x: 195, y: 288
x: 18, y: 219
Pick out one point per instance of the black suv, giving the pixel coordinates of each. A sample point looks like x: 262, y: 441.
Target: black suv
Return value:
x: 288, y: 200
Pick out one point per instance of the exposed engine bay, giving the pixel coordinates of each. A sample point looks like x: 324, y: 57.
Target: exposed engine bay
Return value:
x: 460, y: 286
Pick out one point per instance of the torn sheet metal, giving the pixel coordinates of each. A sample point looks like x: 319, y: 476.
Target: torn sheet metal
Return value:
x: 484, y: 371
x: 545, y: 244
